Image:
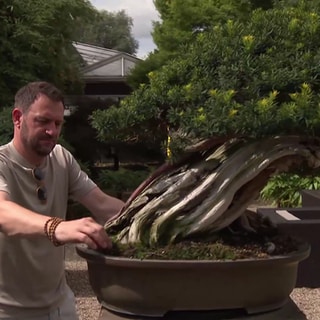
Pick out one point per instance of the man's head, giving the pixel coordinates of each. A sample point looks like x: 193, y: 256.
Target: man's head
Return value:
x: 37, y: 116
x: 27, y: 95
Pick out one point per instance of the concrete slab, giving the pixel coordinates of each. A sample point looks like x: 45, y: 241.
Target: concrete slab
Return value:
x: 289, y: 312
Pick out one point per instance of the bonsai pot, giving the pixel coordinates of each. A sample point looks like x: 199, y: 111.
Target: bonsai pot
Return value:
x: 155, y: 287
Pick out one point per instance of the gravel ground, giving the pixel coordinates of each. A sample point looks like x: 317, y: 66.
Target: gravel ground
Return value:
x: 77, y: 277
x: 307, y: 300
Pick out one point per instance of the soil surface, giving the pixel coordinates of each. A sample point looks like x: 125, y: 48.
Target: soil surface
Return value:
x: 226, y: 246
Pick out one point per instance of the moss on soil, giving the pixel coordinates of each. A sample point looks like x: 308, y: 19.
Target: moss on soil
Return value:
x: 226, y: 246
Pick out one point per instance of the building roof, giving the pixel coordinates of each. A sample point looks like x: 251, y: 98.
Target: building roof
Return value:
x: 104, y: 64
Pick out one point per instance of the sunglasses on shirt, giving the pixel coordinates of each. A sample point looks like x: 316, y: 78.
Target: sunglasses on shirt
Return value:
x: 41, y: 190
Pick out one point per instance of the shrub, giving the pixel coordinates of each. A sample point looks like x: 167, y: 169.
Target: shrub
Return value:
x: 114, y: 182
x: 255, y: 78
x: 284, y: 189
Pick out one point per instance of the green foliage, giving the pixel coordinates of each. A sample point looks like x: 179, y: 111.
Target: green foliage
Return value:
x: 255, y: 78
x: 6, y: 126
x: 139, y: 74
x: 80, y: 134
x: 125, y: 122
x: 35, y: 44
x: 114, y: 182
x: 284, y: 189
x: 181, y: 21
x: 110, y: 30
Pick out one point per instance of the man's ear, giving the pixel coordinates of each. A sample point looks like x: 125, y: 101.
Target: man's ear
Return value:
x: 16, y: 117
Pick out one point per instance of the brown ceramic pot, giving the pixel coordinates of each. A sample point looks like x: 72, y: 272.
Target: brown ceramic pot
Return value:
x: 155, y: 287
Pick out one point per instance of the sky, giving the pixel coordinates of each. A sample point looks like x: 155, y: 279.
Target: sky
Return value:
x: 142, y: 12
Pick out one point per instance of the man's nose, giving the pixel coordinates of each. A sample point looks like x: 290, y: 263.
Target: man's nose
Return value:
x: 51, y: 130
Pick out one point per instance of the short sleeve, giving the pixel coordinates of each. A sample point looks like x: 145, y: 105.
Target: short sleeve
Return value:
x: 79, y: 182
x: 3, y: 177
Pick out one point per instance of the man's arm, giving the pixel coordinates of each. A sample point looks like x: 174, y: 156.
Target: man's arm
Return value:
x: 18, y: 221
x: 102, y: 206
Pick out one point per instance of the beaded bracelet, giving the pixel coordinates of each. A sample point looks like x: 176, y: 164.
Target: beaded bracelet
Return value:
x: 50, y: 230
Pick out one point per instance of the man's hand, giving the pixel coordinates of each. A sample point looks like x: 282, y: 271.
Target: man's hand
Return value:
x: 84, y: 230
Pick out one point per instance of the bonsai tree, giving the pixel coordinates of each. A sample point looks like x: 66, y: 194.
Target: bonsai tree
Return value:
x: 244, y: 95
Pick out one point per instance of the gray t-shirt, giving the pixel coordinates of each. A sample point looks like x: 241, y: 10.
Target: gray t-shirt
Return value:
x: 32, y: 279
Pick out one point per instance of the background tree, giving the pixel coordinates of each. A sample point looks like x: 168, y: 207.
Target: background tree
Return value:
x: 181, y: 20
x: 180, y: 23
x: 252, y: 88
x: 6, y: 126
x: 254, y: 78
x: 35, y: 43
x: 112, y: 30
x: 81, y: 135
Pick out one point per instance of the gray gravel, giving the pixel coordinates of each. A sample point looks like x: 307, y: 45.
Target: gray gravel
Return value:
x: 306, y: 299
x: 77, y: 277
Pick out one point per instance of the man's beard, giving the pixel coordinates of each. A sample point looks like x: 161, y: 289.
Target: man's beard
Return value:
x: 33, y: 143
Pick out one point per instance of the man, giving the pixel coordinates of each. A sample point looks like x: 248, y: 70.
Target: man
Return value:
x: 37, y: 176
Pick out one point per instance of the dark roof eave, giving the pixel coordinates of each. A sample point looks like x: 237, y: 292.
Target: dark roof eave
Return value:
x: 104, y: 78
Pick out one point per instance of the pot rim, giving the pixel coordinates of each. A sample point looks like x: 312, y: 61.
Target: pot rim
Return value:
x: 94, y: 256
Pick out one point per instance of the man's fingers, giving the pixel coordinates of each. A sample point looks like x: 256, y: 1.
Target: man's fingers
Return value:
x: 97, y: 233
x: 84, y: 230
